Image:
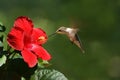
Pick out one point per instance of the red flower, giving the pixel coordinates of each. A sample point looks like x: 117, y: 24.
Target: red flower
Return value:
x: 27, y: 39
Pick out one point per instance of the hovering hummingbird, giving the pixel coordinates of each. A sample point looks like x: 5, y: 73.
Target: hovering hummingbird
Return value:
x: 72, y: 35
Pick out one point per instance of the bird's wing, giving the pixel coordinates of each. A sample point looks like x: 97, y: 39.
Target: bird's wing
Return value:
x: 79, y: 43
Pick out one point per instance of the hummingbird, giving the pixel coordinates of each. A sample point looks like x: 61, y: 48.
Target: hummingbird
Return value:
x: 72, y: 34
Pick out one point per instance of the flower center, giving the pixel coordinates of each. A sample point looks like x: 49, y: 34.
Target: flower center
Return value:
x: 42, y: 40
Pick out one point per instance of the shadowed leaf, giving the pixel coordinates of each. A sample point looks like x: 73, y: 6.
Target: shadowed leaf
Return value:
x: 2, y: 28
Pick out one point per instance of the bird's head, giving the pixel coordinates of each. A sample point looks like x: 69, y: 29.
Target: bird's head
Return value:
x: 61, y: 30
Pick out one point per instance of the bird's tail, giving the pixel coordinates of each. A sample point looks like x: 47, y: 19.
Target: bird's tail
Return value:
x: 80, y: 46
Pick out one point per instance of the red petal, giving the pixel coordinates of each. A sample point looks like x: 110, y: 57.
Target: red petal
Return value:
x: 24, y: 23
x: 36, y: 34
x: 15, y: 39
x: 29, y: 58
x: 41, y: 52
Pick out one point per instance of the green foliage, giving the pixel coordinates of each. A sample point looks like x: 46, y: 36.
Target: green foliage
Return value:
x: 2, y: 60
x: 2, y: 27
x: 48, y: 74
x: 43, y: 63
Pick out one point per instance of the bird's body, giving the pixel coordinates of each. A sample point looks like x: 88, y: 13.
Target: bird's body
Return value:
x: 72, y: 35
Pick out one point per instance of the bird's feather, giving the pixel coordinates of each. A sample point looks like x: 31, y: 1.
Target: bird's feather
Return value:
x: 79, y: 43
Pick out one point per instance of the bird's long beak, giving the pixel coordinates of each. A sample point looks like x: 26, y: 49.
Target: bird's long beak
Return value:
x: 52, y: 34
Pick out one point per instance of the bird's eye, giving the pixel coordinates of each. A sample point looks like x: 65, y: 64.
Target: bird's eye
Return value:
x: 60, y: 30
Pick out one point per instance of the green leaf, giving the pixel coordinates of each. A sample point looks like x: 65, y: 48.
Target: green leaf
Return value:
x: 5, y: 44
x: 15, y: 55
x: 48, y: 74
x: 3, y: 60
x: 2, y: 28
x: 22, y: 78
x: 43, y: 63
x: 1, y: 44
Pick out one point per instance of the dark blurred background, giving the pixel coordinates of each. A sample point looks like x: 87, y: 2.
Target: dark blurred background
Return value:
x: 98, y: 21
